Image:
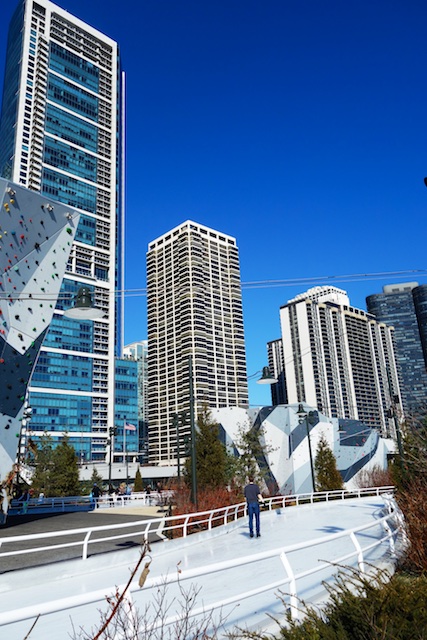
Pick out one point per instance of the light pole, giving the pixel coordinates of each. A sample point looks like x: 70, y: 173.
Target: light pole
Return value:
x: 111, y: 432
x: 193, y: 434
x: 175, y: 422
x: 303, y: 416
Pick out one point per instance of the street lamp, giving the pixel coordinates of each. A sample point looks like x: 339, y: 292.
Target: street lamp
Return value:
x: 267, y: 377
x: 83, y: 308
x: 303, y: 416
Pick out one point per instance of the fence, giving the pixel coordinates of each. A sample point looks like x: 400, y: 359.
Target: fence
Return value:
x: 172, y: 526
x: 383, y: 529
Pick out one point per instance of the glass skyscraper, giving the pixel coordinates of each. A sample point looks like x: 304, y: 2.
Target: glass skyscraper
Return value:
x: 404, y: 306
x: 60, y: 132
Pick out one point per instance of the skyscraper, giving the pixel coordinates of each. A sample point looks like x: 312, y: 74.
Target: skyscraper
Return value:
x: 138, y: 351
x: 194, y: 309
x: 60, y: 132
x: 401, y: 306
x: 276, y: 365
x: 339, y: 359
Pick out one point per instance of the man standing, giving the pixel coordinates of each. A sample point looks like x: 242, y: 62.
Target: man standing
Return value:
x: 96, y: 494
x: 253, y: 497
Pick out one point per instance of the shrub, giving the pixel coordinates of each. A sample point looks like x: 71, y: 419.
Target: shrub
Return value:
x: 207, y: 499
x: 374, y: 477
x: 366, y: 608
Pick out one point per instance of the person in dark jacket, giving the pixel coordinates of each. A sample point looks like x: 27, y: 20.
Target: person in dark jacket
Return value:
x: 96, y: 494
x: 253, y: 498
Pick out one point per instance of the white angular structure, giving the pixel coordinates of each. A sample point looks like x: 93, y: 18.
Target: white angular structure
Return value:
x: 287, y: 466
x: 36, y: 236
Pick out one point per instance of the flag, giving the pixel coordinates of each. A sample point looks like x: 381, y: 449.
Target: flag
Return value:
x: 130, y: 427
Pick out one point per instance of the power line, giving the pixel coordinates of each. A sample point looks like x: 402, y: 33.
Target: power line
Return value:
x: 256, y: 284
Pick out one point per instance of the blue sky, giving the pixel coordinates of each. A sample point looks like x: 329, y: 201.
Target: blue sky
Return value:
x: 296, y: 126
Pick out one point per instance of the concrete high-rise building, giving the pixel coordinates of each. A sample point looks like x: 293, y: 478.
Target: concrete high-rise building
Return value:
x: 339, y: 359
x: 276, y: 365
x: 60, y: 132
x: 404, y: 307
x: 194, y: 309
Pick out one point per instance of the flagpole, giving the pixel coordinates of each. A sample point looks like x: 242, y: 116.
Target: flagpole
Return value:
x: 124, y: 449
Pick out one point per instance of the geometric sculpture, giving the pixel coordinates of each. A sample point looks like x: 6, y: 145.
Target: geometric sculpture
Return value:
x: 36, y: 235
x: 286, y: 460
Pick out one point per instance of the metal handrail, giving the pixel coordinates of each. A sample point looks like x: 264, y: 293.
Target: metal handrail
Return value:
x: 290, y: 578
x: 185, y: 524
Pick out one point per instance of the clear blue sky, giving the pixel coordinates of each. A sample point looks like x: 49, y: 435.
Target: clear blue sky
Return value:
x: 297, y: 126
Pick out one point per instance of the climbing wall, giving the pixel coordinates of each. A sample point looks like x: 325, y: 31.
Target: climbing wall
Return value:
x: 36, y: 235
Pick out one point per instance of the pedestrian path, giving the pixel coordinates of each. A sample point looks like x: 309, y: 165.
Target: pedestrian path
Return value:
x: 231, y: 562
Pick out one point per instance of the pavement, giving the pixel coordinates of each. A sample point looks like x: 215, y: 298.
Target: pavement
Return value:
x: 33, y: 524
x: 71, y: 594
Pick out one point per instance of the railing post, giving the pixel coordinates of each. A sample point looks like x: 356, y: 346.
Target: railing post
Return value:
x: 359, y: 552
x: 86, y: 544
x: 184, y: 527
x: 293, y: 600
x: 390, y: 535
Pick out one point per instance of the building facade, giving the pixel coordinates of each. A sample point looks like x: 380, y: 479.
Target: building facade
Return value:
x: 60, y: 132
x: 404, y: 306
x: 339, y: 359
x: 195, y: 318
x: 138, y: 351
x: 276, y: 364
x: 126, y: 432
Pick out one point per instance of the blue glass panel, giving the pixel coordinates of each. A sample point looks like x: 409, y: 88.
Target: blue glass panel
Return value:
x: 63, y: 371
x: 86, y: 230
x: 70, y: 159
x: 71, y: 128
x: 126, y: 404
x: 74, y: 98
x: 69, y: 190
x: 68, y: 333
x: 60, y: 412
x: 71, y: 65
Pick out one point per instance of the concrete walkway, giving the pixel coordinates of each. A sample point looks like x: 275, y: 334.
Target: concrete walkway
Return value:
x: 209, y: 550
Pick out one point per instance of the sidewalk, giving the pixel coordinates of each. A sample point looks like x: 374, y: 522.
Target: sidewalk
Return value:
x: 152, y: 512
x: 80, y: 587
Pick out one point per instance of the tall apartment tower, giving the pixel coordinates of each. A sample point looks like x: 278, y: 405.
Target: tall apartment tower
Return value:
x: 194, y: 309
x: 404, y: 306
x: 276, y: 364
x: 60, y: 133
x: 339, y: 359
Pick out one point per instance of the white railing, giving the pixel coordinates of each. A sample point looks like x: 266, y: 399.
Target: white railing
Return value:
x: 389, y: 523
x: 171, y: 526
x: 68, y: 503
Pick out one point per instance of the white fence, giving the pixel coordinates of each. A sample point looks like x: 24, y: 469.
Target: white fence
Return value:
x: 169, y: 526
x: 384, y: 529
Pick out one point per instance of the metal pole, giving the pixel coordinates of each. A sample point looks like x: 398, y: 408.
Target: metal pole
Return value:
x: 111, y: 433
x: 193, y: 434
x: 125, y: 452
x: 310, y: 453
x: 178, y: 458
